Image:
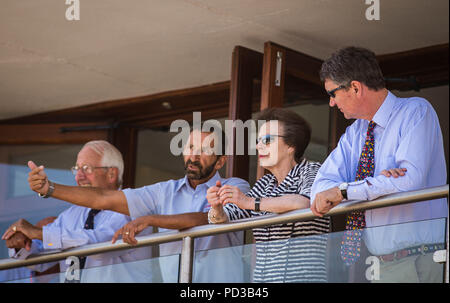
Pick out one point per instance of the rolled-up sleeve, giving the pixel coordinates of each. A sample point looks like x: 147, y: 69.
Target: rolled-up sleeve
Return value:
x: 143, y: 201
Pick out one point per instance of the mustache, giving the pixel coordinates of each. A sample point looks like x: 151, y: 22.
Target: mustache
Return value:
x: 194, y: 163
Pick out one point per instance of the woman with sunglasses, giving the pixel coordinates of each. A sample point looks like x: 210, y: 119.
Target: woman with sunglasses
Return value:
x: 291, y: 252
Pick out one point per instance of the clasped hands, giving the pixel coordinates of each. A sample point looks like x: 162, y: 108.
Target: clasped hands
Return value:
x: 219, y: 195
x: 21, y: 233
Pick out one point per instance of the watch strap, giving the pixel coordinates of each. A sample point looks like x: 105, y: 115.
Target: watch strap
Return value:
x: 257, y: 204
x: 344, y: 193
x: 51, y: 188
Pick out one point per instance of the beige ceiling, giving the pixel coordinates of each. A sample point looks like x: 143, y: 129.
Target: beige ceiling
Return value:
x: 131, y: 48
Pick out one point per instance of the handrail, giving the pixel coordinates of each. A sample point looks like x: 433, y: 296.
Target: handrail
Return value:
x: 245, y: 224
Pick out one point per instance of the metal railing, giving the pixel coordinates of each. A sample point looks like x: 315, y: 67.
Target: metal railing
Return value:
x: 188, y: 236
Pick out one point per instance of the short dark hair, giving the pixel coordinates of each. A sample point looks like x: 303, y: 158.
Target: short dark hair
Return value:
x: 353, y: 64
x: 297, y: 131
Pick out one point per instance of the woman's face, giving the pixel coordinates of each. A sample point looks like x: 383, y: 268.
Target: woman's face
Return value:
x: 272, y: 149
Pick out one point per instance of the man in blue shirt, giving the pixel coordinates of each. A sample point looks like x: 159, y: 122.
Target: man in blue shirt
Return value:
x: 407, y: 135
x: 174, y: 204
x: 99, y: 164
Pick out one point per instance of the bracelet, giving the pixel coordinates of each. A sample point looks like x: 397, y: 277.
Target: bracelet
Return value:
x: 212, y: 219
x: 51, y: 189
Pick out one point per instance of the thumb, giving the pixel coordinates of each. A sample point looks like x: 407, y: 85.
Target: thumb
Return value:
x: 218, y: 184
x: 116, y: 236
x: 31, y: 165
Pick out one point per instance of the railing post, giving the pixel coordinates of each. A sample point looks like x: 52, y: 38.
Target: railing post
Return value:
x: 187, y: 260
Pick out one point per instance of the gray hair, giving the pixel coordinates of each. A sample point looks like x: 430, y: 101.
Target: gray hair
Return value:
x: 353, y: 64
x: 111, y: 156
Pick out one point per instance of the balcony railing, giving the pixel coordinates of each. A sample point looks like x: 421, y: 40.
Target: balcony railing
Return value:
x: 188, y: 236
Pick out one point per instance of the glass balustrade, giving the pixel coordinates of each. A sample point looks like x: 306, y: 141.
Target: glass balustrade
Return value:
x: 140, y: 271
x: 318, y: 258
x: 302, y: 259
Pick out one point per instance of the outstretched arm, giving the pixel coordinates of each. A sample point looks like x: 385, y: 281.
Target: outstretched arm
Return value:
x: 91, y: 197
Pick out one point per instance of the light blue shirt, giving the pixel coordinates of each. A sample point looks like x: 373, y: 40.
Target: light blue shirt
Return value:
x: 68, y: 231
x: 177, y: 197
x: 407, y: 135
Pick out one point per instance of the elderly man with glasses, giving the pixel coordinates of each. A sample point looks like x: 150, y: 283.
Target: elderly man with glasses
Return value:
x: 99, y: 164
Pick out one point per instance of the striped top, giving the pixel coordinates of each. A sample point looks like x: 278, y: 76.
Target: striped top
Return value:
x: 291, y: 252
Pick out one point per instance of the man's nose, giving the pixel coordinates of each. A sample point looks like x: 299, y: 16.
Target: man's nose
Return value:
x: 80, y: 174
x: 195, y: 154
x: 332, y: 103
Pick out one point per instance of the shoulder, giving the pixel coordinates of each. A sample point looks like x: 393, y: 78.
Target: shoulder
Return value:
x: 234, y: 181
x: 264, y: 180
x: 306, y: 167
x: 311, y: 164
x: 413, y: 106
x: 165, y: 185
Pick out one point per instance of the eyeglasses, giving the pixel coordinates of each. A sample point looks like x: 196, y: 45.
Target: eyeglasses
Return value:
x: 332, y: 94
x: 86, y: 169
x: 267, y: 139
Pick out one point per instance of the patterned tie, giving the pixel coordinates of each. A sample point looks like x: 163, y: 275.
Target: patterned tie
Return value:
x: 356, y: 221
x: 88, y: 224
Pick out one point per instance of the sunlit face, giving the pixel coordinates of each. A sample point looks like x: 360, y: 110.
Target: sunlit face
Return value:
x: 99, y: 176
x: 272, y: 150
x: 200, y: 160
x: 344, y: 100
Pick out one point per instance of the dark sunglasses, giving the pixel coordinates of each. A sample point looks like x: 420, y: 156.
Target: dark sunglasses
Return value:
x: 267, y: 139
x: 332, y: 92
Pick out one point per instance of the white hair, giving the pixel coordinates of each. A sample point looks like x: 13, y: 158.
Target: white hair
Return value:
x: 111, y: 156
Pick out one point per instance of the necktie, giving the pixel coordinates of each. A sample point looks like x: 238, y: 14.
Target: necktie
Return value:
x: 88, y: 224
x: 356, y: 221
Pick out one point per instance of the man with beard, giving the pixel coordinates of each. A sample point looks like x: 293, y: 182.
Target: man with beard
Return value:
x: 173, y: 204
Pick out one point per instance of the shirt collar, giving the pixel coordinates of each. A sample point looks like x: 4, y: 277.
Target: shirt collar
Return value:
x: 383, y: 114
x: 211, y: 182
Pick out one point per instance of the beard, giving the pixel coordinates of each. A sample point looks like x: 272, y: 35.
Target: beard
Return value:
x: 201, y: 173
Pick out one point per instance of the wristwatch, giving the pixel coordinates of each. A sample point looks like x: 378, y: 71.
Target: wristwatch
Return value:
x: 51, y: 188
x: 257, y: 203
x: 343, y: 188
